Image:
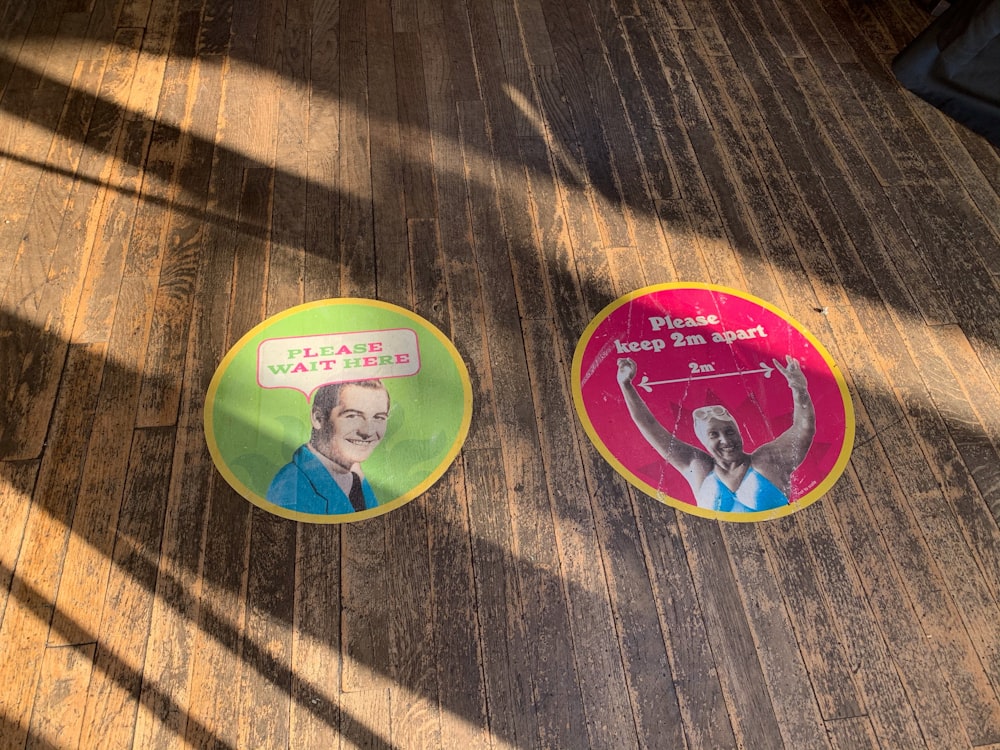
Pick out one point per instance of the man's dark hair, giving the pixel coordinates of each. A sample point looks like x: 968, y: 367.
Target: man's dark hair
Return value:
x: 328, y: 396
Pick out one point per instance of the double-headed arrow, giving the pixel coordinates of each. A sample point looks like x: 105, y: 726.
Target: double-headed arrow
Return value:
x: 647, y: 385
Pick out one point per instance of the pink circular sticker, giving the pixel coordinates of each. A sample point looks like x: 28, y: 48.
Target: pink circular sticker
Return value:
x: 713, y: 401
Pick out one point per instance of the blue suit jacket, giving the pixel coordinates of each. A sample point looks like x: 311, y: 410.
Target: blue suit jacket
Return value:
x: 304, y: 485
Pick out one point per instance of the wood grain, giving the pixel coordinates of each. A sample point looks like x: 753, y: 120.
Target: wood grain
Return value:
x: 176, y: 171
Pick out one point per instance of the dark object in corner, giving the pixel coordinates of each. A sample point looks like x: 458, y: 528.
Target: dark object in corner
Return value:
x: 955, y: 65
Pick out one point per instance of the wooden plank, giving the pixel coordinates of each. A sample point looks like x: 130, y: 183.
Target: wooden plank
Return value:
x: 885, y: 209
x: 107, y: 262
x: 936, y: 602
x: 111, y: 131
x: 729, y: 635
x: 504, y: 167
x: 983, y: 153
x: 584, y: 138
x: 36, y: 33
x: 95, y: 521
x: 113, y: 692
x: 535, y: 35
x: 539, y: 585
x: 615, y: 697
x: 597, y: 651
x: 147, y: 84
x: 527, y: 263
x: 286, y: 261
x: 734, y: 177
x: 564, y: 235
x: 462, y: 68
x: 962, y: 422
x: 365, y: 605
x: 215, y: 662
x: 134, y: 13
x: 354, y: 240
x: 35, y: 575
x: 889, y: 708
x: 709, y: 721
x: 414, y: 711
x: 606, y: 93
x: 314, y: 719
x: 405, y: 16
x: 848, y: 199
x: 17, y: 19
x: 175, y: 611
x: 322, y: 199
x: 796, y: 710
x: 685, y: 249
x: 504, y: 633
x: 830, y: 673
x: 461, y: 276
x: 851, y: 733
x: 458, y: 658
x: 933, y: 705
x: 418, y: 718
x: 178, y: 265
x: 26, y: 121
x: 224, y: 649
x: 388, y: 154
x: 961, y: 386
x: 62, y: 689
x: 788, y: 233
x: 971, y: 166
x: 687, y: 226
x: 266, y: 682
x: 659, y: 175
x: 365, y: 612
x: 168, y: 80
x: 518, y: 88
x: 413, y: 118
x: 17, y: 479
x: 366, y: 720
x: 39, y: 303
x: 251, y: 268
x: 216, y: 27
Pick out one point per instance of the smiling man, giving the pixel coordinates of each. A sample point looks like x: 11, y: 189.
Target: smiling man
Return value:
x: 324, y: 475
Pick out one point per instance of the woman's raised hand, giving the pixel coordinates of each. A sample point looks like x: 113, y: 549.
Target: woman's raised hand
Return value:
x: 626, y: 370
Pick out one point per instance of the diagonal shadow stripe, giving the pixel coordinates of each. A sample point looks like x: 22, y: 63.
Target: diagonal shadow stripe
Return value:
x: 129, y: 678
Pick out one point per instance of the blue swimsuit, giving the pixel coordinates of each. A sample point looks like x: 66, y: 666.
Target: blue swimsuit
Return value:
x: 755, y: 493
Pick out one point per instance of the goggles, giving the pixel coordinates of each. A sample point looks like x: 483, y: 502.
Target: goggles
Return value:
x: 707, y: 412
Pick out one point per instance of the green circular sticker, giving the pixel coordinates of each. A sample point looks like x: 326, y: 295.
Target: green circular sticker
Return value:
x: 338, y: 410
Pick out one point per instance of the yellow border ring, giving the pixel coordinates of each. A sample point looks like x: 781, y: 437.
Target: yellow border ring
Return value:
x: 814, y: 494
x: 294, y: 515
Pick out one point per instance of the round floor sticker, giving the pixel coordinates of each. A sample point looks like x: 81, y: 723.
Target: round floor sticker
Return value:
x: 338, y: 410
x: 713, y: 401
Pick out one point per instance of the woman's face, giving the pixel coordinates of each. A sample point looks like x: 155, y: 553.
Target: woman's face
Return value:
x: 722, y: 440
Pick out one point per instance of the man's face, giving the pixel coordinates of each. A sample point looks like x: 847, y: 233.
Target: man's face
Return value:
x: 722, y: 439
x: 353, y: 428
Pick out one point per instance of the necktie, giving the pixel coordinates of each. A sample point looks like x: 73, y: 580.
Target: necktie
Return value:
x: 357, y: 496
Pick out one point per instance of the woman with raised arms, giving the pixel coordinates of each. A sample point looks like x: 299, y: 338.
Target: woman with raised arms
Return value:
x: 723, y: 476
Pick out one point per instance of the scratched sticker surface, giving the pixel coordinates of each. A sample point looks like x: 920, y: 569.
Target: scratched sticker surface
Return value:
x: 713, y: 401
x: 338, y: 410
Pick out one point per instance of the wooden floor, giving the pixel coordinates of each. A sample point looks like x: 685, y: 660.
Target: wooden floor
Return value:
x: 174, y: 171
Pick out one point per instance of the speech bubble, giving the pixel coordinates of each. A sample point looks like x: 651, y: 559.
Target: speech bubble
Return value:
x: 304, y: 363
